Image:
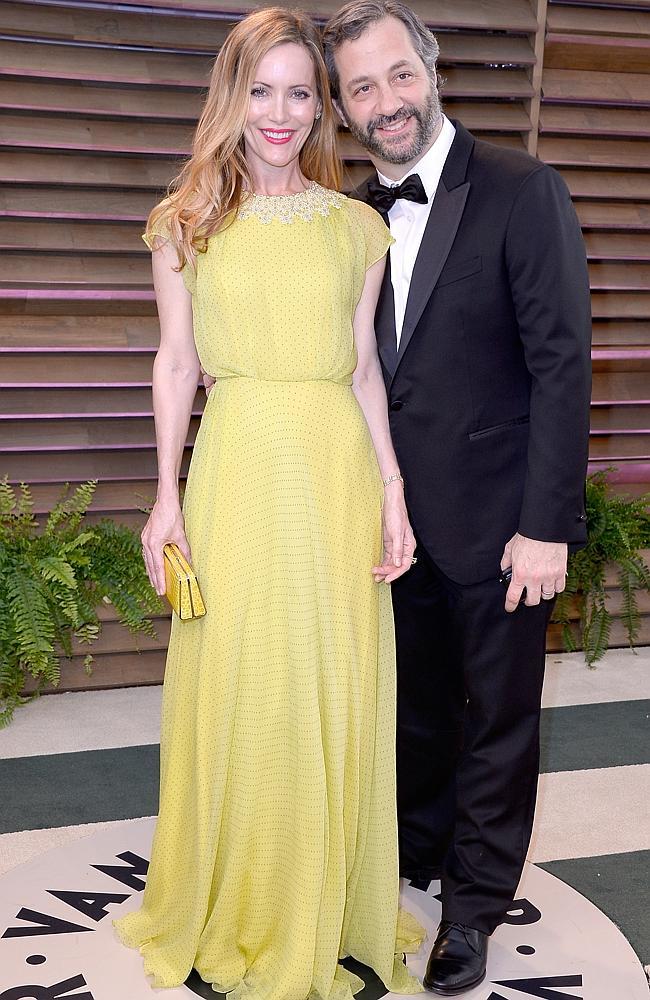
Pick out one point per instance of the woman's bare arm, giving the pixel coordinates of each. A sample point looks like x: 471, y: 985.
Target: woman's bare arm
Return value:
x: 368, y: 386
x: 175, y: 377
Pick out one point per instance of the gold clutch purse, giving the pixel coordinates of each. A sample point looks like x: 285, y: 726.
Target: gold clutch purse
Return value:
x: 181, y: 586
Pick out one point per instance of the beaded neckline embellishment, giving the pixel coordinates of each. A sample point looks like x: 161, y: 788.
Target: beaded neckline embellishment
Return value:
x: 314, y: 200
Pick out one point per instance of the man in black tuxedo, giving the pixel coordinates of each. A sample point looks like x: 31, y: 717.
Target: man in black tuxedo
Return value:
x: 483, y: 327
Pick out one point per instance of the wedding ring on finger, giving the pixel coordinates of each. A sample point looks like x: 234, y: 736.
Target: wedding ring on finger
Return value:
x: 547, y: 596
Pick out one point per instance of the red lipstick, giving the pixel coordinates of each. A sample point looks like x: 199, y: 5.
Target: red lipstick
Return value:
x: 278, y: 136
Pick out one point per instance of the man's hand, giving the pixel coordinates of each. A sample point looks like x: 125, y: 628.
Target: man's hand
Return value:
x: 540, y: 567
x: 208, y: 382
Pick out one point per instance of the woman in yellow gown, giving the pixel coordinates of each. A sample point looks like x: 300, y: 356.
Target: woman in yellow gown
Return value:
x: 275, y: 851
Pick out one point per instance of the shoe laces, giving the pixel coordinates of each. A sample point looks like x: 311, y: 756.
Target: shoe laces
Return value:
x: 447, y: 925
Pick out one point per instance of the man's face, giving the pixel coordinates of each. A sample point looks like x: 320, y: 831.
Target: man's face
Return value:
x: 387, y: 97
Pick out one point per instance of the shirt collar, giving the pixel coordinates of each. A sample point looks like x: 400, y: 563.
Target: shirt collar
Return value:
x: 430, y: 167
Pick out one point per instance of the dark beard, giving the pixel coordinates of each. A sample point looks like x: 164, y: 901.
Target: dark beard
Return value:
x: 428, y: 117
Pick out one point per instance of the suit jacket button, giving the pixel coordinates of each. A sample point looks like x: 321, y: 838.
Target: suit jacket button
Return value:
x: 582, y: 517
x: 397, y: 404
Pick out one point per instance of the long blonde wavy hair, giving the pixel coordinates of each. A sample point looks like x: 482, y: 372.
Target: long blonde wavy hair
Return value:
x: 214, y: 181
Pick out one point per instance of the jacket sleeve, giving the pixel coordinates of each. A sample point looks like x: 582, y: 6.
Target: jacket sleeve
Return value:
x: 547, y: 267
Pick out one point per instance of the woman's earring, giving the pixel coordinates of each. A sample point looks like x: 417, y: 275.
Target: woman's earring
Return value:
x: 317, y: 115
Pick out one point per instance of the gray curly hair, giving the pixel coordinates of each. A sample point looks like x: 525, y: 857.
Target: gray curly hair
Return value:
x: 353, y: 18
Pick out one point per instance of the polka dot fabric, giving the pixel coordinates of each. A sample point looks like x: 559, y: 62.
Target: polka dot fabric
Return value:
x: 275, y: 852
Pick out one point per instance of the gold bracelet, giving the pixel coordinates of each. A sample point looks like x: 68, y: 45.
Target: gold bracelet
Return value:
x: 391, y: 479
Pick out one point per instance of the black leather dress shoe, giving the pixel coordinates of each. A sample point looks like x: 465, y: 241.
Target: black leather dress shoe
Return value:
x: 457, y: 961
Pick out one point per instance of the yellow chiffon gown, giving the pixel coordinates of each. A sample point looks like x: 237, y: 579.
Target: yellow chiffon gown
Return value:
x: 275, y: 850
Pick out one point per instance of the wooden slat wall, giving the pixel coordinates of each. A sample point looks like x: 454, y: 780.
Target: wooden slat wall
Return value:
x: 98, y: 101
x: 594, y: 127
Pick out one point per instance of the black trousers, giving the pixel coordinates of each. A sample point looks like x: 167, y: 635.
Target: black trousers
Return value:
x: 469, y: 689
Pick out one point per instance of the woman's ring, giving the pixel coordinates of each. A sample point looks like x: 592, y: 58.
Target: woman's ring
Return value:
x: 413, y: 560
x: 547, y: 596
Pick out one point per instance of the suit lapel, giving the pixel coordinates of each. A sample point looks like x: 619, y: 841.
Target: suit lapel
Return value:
x: 442, y: 226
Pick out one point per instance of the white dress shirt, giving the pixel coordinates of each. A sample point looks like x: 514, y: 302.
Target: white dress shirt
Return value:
x: 408, y: 219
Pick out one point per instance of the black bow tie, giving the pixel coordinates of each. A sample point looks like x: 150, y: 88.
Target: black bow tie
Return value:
x: 383, y: 198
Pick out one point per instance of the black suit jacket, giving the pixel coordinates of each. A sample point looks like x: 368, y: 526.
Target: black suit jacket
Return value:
x: 489, y: 392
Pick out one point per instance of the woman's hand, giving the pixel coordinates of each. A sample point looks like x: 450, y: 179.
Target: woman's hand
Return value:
x: 368, y: 387
x: 165, y: 524
x: 208, y: 381
x: 399, y: 541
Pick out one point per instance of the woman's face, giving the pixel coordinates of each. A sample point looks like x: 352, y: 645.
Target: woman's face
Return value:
x: 283, y: 104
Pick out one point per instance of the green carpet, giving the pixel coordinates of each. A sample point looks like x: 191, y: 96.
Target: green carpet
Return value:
x: 619, y: 885
x: 612, y: 734
x: 67, y: 789
x: 97, y: 785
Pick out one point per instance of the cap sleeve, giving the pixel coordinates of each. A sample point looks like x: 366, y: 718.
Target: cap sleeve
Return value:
x: 375, y: 231
x: 160, y: 229
x: 159, y: 234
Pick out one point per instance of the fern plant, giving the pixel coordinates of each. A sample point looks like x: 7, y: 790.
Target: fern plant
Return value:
x: 52, y: 580
x: 619, y: 528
